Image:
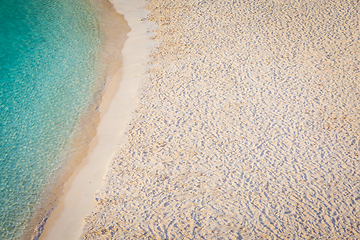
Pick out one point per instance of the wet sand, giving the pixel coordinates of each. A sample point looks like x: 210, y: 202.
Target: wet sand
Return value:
x: 247, y: 126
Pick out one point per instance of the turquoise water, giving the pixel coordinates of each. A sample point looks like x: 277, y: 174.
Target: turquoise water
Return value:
x: 48, y: 79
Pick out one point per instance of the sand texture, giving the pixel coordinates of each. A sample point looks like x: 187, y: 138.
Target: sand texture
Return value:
x: 246, y: 128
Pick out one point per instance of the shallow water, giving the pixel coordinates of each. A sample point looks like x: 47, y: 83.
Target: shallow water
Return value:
x: 48, y: 79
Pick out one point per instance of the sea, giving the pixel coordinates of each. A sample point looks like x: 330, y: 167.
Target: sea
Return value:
x: 50, y: 85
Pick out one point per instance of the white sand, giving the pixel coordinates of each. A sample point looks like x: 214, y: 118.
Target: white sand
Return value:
x: 247, y: 128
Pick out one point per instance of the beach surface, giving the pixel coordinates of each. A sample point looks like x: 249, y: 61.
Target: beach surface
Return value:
x: 247, y: 126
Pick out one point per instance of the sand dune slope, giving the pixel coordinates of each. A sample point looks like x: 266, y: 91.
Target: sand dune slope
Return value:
x: 248, y: 126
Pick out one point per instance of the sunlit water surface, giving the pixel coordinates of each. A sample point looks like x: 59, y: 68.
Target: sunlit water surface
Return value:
x: 48, y: 79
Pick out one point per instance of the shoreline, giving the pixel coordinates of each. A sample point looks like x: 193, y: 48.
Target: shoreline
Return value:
x: 115, y: 110
x: 109, y: 60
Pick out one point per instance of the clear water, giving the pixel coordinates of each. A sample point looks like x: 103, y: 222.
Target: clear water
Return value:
x: 48, y: 78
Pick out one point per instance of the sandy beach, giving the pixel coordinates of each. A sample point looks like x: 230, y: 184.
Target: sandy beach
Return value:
x: 243, y: 123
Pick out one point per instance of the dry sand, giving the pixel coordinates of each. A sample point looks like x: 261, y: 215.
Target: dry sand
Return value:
x: 247, y: 126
